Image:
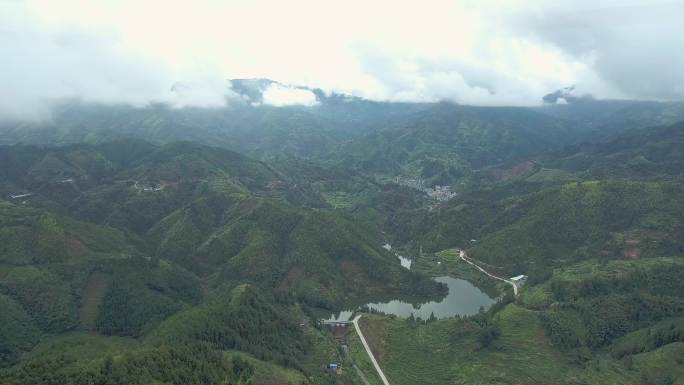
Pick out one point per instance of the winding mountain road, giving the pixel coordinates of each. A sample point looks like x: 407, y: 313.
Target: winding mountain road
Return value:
x: 368, y: 350
x: 464, y: 257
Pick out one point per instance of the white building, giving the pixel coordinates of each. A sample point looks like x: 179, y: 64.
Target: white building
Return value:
x: 519, y: 279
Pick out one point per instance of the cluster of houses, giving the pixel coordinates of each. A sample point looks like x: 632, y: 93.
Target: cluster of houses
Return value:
x: 441, y: 193
x: 148, y: 187
x: 438, y: 193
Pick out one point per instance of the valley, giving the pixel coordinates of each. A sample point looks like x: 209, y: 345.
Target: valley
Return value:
x: 186, y: 246
x: 437, y: 192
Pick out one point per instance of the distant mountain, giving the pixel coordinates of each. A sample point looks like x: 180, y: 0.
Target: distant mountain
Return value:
x: 446, y: 144
x: 645, y: 153
x: 603, y: 119
x: 265, y: 132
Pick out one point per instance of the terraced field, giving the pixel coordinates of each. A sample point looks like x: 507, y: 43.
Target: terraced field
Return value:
x: 448, y: 352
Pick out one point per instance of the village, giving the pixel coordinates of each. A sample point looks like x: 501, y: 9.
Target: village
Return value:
x: 437, y: 192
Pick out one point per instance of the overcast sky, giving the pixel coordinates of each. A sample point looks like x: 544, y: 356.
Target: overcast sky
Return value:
x: 470, y: 52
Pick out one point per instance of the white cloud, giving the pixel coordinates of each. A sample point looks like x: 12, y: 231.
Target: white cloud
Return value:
x: 207, y: 92
x: 279, y: 95
x: 42, y: 65
x: 635, y: 48
x: 468, y: 51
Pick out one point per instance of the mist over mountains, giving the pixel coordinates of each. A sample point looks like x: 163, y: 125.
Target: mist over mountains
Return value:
x: 450, y: 192
x: 466, y: 52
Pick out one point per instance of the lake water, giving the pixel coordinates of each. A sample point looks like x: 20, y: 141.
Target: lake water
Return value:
x: 463, y: 299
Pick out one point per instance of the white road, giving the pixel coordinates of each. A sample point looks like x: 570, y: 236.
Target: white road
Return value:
x: 368, y: 350
x: 464, y: 257
x: 355, y: 321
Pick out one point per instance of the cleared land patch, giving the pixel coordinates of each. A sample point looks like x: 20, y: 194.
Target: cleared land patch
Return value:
x: 92, y: 297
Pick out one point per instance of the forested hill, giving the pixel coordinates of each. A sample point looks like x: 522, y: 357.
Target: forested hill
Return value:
x: 418, y: 132
x: 124, y: 234
x: 610, y: 200
x: 194, y: 246
x: 596, y: 228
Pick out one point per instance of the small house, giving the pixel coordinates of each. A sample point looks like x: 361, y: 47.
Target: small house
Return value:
x: 519, y: 279
x: 20, y: 195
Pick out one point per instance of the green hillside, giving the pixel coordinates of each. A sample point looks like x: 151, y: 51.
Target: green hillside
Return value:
x: 178, y: 251
x: 644, y: 154
x: 612, y: 219
x: 615, y: 323
x: 192, y: 246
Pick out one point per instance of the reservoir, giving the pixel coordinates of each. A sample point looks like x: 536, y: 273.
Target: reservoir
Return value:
x: 463, y: 299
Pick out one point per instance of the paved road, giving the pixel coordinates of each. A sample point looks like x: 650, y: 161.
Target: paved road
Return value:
x: 368, y: 350
x: 464, y: 257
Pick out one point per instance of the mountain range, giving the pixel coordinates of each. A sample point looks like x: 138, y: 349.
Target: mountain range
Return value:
x: 158, y: 245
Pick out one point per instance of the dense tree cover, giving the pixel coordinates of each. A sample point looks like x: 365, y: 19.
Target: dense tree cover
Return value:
x: 649, y: 154
x: 441, y: 142
x: 595, y: 305
x: 45, y: 264
x: 650, y: 338
x: 37, y: 236
x: 190, y: 364
x: 599, y: 205
x: 140, y: 293
x: 614, y: 322
x: 531, y: 232
x: 445, y: 143
x: 240, y: 319
x: 44, y: 296
x: 64, y: 178
x: 18, y: 332
x: 488, y: 334
x: 580, y: 220
x: 607, y: 118
x: 194, y: 254
x: 210, y: 209
x: 29, y: 236
x: 48, y: 298
x: 323, y: 256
